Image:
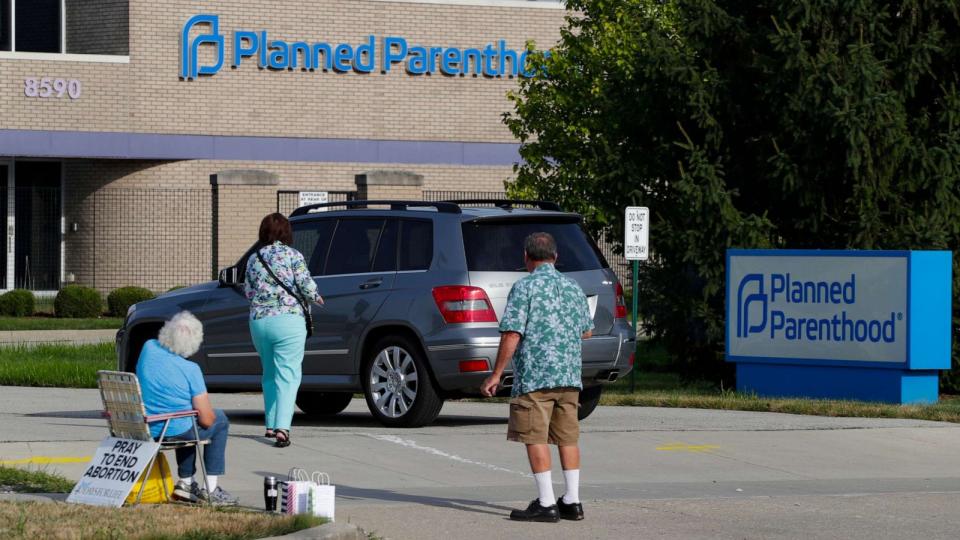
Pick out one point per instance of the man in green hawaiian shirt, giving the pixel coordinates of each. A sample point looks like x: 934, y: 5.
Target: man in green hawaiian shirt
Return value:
x: 542, y: 328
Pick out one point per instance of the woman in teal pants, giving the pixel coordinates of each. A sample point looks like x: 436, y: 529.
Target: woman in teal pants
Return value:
x: 277, y: 320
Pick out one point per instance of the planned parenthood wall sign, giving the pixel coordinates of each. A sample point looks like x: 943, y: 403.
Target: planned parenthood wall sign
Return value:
x: 839, y: 324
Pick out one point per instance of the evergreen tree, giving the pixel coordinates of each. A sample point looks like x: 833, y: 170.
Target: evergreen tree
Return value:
x: 805, y: 124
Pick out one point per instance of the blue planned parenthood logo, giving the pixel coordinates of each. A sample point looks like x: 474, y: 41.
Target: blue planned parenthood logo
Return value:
x: 189, y: 49
x: 493, y: 60
x: 776, y: 296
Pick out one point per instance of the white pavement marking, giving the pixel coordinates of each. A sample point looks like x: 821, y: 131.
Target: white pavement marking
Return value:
x: 440, y: 453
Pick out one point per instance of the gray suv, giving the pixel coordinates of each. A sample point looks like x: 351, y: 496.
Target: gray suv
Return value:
x: 413, y: 292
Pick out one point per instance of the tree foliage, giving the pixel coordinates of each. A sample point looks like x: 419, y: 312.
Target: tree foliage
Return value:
x: 806, y: 124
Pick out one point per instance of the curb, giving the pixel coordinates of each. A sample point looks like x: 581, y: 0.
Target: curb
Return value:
x: 329, y: 531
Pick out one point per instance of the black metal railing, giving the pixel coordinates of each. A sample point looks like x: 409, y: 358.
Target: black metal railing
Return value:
x: 153, y: 238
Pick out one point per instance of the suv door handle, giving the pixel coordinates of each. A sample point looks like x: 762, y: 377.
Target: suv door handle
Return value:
x: 371, y: 283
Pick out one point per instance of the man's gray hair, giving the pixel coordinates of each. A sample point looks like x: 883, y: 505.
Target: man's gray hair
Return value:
x: 182, y: 335
x: 540, y: 246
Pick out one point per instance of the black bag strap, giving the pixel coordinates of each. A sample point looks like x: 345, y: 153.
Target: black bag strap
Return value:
x: 302, y: 301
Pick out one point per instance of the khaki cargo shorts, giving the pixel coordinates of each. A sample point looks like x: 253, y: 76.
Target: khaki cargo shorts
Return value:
x: 545, y: 417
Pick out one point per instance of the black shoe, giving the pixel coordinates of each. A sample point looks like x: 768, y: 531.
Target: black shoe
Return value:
x: 537, y: 512
x: 572, y: 511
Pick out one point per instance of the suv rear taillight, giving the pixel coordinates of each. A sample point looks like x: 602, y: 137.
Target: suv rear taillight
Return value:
x: 621, y: 304
x: 463, y: 304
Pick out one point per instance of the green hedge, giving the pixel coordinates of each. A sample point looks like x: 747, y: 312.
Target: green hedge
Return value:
x: 17, y: 303
x: 77, y: 301
x: 121, y: 299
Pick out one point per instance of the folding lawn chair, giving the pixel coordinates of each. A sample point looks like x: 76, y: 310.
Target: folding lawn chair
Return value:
x: 127, y: 418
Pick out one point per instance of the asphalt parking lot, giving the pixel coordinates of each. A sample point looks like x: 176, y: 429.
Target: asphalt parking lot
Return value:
x: 647, y: 473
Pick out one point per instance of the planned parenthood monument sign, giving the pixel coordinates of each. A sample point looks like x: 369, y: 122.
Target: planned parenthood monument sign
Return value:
x: 869, y: 325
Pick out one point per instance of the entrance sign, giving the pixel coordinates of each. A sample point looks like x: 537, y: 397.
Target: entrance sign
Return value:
x: 636, y: 240
x: 313, y: 197
x: 871, y: 325
x: 113, y: 471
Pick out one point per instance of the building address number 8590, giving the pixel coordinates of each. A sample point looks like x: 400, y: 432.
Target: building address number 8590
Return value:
x: 47, y: 87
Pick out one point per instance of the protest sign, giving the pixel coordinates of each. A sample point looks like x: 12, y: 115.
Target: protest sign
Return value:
x: 113, y: 471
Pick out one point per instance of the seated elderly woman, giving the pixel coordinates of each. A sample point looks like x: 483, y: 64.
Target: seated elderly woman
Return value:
x: 171, y: 383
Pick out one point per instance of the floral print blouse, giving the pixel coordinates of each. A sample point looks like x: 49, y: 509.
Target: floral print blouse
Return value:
x: 551, y: 314
x: 267, y: 298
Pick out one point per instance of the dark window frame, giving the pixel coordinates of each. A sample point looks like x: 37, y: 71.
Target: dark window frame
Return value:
x: 400, y: 243
x: 373, y: 255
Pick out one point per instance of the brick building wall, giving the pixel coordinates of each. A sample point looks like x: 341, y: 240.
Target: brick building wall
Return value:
x: 150, y: 223
x: 158, y: 223
x: 148, y: 96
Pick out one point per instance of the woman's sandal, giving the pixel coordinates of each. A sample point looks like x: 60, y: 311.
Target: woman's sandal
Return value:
x: 270, y: 434
x: 283, y: 438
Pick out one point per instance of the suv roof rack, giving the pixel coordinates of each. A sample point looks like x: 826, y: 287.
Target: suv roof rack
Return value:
x: 442, y: 206
x: 509, y: 204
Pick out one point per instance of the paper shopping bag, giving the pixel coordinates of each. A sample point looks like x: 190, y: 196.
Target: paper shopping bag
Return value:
x: 322, y: 497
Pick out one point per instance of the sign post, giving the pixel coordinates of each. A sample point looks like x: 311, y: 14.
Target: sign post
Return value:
x: 636, y: 248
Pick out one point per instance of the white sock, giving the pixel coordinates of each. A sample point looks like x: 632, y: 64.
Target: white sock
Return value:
x: 545, y: 487
x: 572, y: 478
x: 211, y: 483
x: 188, y: 480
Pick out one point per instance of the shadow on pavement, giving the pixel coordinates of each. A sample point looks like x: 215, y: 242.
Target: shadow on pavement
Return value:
x: 96, y: 415
x: 249, y: 417
x: 465, y: 505
x: 351, y: 419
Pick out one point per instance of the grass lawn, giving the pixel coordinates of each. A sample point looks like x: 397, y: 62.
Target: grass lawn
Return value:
x: 667, y: 390
x: 157, y: 522
x: 164, y: 521
x: 26, y: 481
x: 67, y: 366
x: 53, y: 323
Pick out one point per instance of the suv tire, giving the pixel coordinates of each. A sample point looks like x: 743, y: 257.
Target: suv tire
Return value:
x: 323, y: 403
x: 397, y: 385
x: 589, y: 398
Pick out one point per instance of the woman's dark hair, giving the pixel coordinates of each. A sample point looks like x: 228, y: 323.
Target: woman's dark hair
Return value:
x: 275, y: 227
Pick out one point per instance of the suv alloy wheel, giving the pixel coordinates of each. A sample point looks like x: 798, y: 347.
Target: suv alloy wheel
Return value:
x: 397, y: 385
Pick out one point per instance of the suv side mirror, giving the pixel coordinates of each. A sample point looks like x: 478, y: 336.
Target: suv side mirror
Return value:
x: 229, y: 277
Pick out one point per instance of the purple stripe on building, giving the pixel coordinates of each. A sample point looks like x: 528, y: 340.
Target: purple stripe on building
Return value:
x: 118, y: 145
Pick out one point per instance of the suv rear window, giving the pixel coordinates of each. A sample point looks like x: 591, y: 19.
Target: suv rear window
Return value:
x: 497, y: 245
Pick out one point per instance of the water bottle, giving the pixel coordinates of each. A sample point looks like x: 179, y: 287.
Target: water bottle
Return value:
x: 270, y: 493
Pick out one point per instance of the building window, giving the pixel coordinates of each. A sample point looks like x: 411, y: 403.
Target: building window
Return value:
x: 5, y: 25
x: 65, y: 26
x: 37, y: 26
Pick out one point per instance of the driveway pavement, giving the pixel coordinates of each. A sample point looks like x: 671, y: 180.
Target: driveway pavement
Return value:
x: 664, y: 473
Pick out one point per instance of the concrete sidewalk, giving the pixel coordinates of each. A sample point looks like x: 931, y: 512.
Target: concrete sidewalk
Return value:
x: 669, y: 473
x: 65, y: 337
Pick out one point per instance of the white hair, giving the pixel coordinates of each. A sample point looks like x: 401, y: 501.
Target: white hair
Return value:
x: 182, y: 335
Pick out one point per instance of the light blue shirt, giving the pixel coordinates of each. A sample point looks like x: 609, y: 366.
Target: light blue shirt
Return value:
x: 168, y: 383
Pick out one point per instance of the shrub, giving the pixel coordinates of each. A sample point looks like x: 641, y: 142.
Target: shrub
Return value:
x: 77, y: 302
x: 121, y: 299
x: 17, y: 303
x: 175, y: 287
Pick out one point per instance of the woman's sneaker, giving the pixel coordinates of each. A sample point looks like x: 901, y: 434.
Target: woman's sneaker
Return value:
x: 185, y: 492
x: 219, y: 497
